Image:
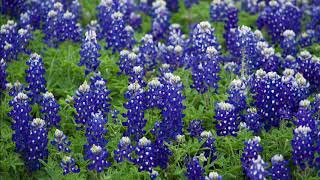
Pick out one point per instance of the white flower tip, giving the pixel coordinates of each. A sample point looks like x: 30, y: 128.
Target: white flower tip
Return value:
x: 21, y: 96
x: 206, y: 134
x: 180, y: 138
x: 37, y: 122
x: 84, y: 87
x: 225, y: 106
x: 211, y: 50
x: 144, y: 141
x: 305, y: 55
x: 48, y: 95
x: 117, y: 15
x: 289, y: 34
x: 155, y: 83
x: 277, y: 158
x: 125, y: 140
x: 304, y: 103
x: 58, y: 133
x: 95, y: 149
x: 134, y: 86
x: 303, y: 130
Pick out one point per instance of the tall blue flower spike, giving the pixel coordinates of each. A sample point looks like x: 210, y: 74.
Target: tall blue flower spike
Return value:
x: 97, y: 157
x: 213, y: 176
x: 194, y: 170
x: 250, y: 152
x: 145, y: 154
x: 162, y: 153
x: 307, y: 38
x: 253, y: 120
x: 257, y: 170
x: 124, y: 150
x: 304, y: 116
x: 137, y: 75
x: 35, y: 77
x: 82, y: 103
x: 309, y: 66
x: 20, y: 114
x: 119, y: 35
x: 69, y: 165
x: 160, y: 20
x: 12, y: 7
x: 135, y: 114
x: 3, y: 75
x: 105, y: 10
x: 61, y: 142
x: 147, y: 52
x: 15, y: 88
x: 69, y: 28
x: 126, y: 62
x: 195, y: 128
x: 37, y: 141
x: 227, y: 119
x: 155, y: 94
x: 208, y: 145
x: 303, y: 148
x: 218, y: 10
x: 49, y: 110
x: 289, y: 44
x: 238, y: 95
x: 90, y: 52
x: 279, y: 168
x: 205, y: 71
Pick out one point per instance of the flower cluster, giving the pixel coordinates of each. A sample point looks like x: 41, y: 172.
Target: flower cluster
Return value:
x: 202, y: 38
x: 49, y: 110
x: 20, y: 114
x: 105, y: 10
x: 279, y: 169
x: 119, y: 35
x: 280, y: 17
x: 135, y: 111
x: 14, y: 89
x: 309, y: 66
x: 69, y: 165
x: 230, y: 34
x: 155, y: 94
x: 208, y: 145
x: 12, y: 7
x: 126, y: 62
x: 257, y: 169
x: 124, y: 150
x: 13, y: 41
x: 237, y: 95
x: 90, y: 52
x: 253, y: 120
x: 95, y: 148
x: 160, y: 19
x: 145, y: 153
x: 37, y: 140
x: 195, y: 128
x: 289, y: 44
x: 304, y: 116
x: 205, y: 71
x: 195, y: 170
x: 303, y: 147
x: 147, y: 52
x: 227, y: 119
x: 218, y: 10
x: 35, y: 77
x: 250, y: 153
x: 3, y: 75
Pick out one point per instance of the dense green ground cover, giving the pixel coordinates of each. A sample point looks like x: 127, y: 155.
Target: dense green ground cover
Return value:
x: 64, y: 77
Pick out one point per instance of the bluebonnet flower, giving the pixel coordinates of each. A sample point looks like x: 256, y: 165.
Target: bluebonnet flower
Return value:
x: 267, y: 89
x: 189, y: 3
x: 202, y: 38
x: 232, y: 67
x: 237, y: 95
x: 267, y: 59
x: 205, y: 71
x: 155, y: 94
x: 160, y: 21
x: 13, y: 40
x: 137, y: 74
x: 163, y: 69
x: 52, y: 25
x: 37, y: 140
x: 69, y: 165
x: 76, y: 9
x: 135, y: 111
x: 195, y: 128
x: 309, y: 66
x: 303, y: 147
x: 145, y: 155
x: 12, y: 7
x: 35, y: 77
x: 218, y: 10
x: 97, y: 156
x: 124, y: 150
x: 257, y: 169
x: 279, y: 169
x: 145, y: 6
x: 135, y: 20
x: 14, y: 89
x: 119, y: 36
x: 306, y: 39
x: 69, y: 29
x: 95, y: 26
x: 250, y: 152
x: 61, y: 142
x: 20, y: 114
x: 126, y: 62
x: 172, y: 112
x: 82, y: 103
x: 227, y: 119
x: 304, y: 116
x: 105, y: 10
x: 176, y: 37
x: 49, y: 110
x: 250, y: 6
x: 231, y: 33
x: 173, y: 55
x: 147, y: 52
x: 173, y: 5
x: 289, y: 44
x: 290, y: 62
x: 90, y: 52
x: 3, y: 75
x: 208, y: 146
x: 161, y: 153
x: 95, y: 131
x: 213, y: 176
x: 253, y: 120
x: 194, y: 170
x: 126, y: 7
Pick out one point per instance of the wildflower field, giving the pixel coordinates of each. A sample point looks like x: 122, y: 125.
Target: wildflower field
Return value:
x: 160, y: 89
